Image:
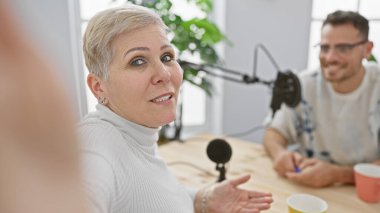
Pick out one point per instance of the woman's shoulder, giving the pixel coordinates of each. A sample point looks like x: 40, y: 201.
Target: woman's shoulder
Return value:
x: 97, y: 134
x: 97, y: 127
x: 93, y: 122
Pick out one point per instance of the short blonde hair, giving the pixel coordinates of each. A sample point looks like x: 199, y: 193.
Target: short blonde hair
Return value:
x: 105, y: 26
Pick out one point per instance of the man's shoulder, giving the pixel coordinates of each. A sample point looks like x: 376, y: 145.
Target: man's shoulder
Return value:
x: 370, y: 65
x: 309, y: 78
x: 373, y: 70
x: 309, y: 74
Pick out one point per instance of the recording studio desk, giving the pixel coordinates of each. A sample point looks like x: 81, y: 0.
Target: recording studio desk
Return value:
x: 189, y: 162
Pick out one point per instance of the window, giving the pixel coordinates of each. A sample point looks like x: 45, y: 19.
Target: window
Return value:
x: 194, y: 99
x: 368, y: 8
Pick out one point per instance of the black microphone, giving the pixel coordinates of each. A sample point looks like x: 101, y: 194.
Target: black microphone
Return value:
x: 220, y: 152
x: 286, y: 89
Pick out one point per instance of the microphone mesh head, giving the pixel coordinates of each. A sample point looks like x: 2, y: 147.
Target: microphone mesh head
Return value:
x: 219, y: 151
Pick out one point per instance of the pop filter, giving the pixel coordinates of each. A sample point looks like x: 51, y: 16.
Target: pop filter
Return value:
x: 286, y: 89
x: 220, y: 152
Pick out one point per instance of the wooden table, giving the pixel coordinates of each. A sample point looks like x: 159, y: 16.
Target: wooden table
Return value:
x: 189, y: 162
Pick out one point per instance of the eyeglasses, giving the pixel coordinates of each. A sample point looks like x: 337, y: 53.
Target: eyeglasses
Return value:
x: 339, y: 48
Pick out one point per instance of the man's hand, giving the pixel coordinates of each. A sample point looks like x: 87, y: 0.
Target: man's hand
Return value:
x: 315, y: 173
x: 287, y: 161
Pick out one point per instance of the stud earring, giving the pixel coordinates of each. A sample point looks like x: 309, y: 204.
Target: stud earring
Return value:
x: 102, y: 100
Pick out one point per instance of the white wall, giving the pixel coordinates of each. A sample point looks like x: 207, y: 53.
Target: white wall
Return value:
x: 53, y: 26
x: 283, y: 27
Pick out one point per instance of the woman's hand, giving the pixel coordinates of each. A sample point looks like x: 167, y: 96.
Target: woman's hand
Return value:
x: 39, y: 164
x: 226, y: 197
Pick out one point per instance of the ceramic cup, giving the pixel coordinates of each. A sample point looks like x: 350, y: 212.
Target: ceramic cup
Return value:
x: 306, y: 203
x: 367, y: 180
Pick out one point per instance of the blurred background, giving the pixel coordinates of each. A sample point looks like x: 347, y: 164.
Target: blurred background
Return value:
x: 289, y: 29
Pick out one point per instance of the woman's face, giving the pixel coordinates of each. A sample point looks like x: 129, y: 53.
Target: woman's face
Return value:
x: 144, y: 77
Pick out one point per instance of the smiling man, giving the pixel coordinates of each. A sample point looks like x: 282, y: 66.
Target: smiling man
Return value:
x: 337, y: 123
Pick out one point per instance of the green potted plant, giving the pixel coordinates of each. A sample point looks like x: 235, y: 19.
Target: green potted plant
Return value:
x: 372, y: 58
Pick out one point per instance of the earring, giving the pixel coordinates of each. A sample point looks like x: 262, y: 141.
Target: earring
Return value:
x: 102, y: 100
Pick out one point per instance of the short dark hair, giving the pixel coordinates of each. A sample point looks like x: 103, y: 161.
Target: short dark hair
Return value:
x: 340, y: 17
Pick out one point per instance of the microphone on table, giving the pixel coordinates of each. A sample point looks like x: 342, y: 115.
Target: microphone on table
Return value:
x: 220, y: 152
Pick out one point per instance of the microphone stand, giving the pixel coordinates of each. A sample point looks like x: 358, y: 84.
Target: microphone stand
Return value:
x: 228, y: 74
x: 235, y: 76
x: 222, y: 171
x: 284, y: 87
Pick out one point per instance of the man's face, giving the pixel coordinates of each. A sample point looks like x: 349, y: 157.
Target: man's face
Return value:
x: 342, y: 52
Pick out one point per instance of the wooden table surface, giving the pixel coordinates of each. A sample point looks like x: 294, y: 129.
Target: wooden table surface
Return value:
x: 189, y: 162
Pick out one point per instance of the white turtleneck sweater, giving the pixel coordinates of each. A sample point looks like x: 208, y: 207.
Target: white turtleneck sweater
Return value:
x: 122, y: 169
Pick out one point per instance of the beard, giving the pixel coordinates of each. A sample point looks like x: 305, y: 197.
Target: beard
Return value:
x: 334, y: 71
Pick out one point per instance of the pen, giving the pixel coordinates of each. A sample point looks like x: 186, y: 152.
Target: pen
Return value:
x: 297, y: 169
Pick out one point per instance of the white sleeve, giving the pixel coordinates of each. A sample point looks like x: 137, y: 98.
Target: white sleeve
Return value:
x: 285, y: 121
x: 191, y: 191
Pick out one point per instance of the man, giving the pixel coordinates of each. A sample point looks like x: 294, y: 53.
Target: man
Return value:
x: 337, y: 123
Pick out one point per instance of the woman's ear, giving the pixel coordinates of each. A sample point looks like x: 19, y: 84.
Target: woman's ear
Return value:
x: 96, y: 85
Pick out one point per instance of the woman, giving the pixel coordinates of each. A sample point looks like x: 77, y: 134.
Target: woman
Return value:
x: 135, y: 77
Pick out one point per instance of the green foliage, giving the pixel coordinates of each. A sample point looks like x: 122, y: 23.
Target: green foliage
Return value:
x: 372, y: 58
x: 195, y: 36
